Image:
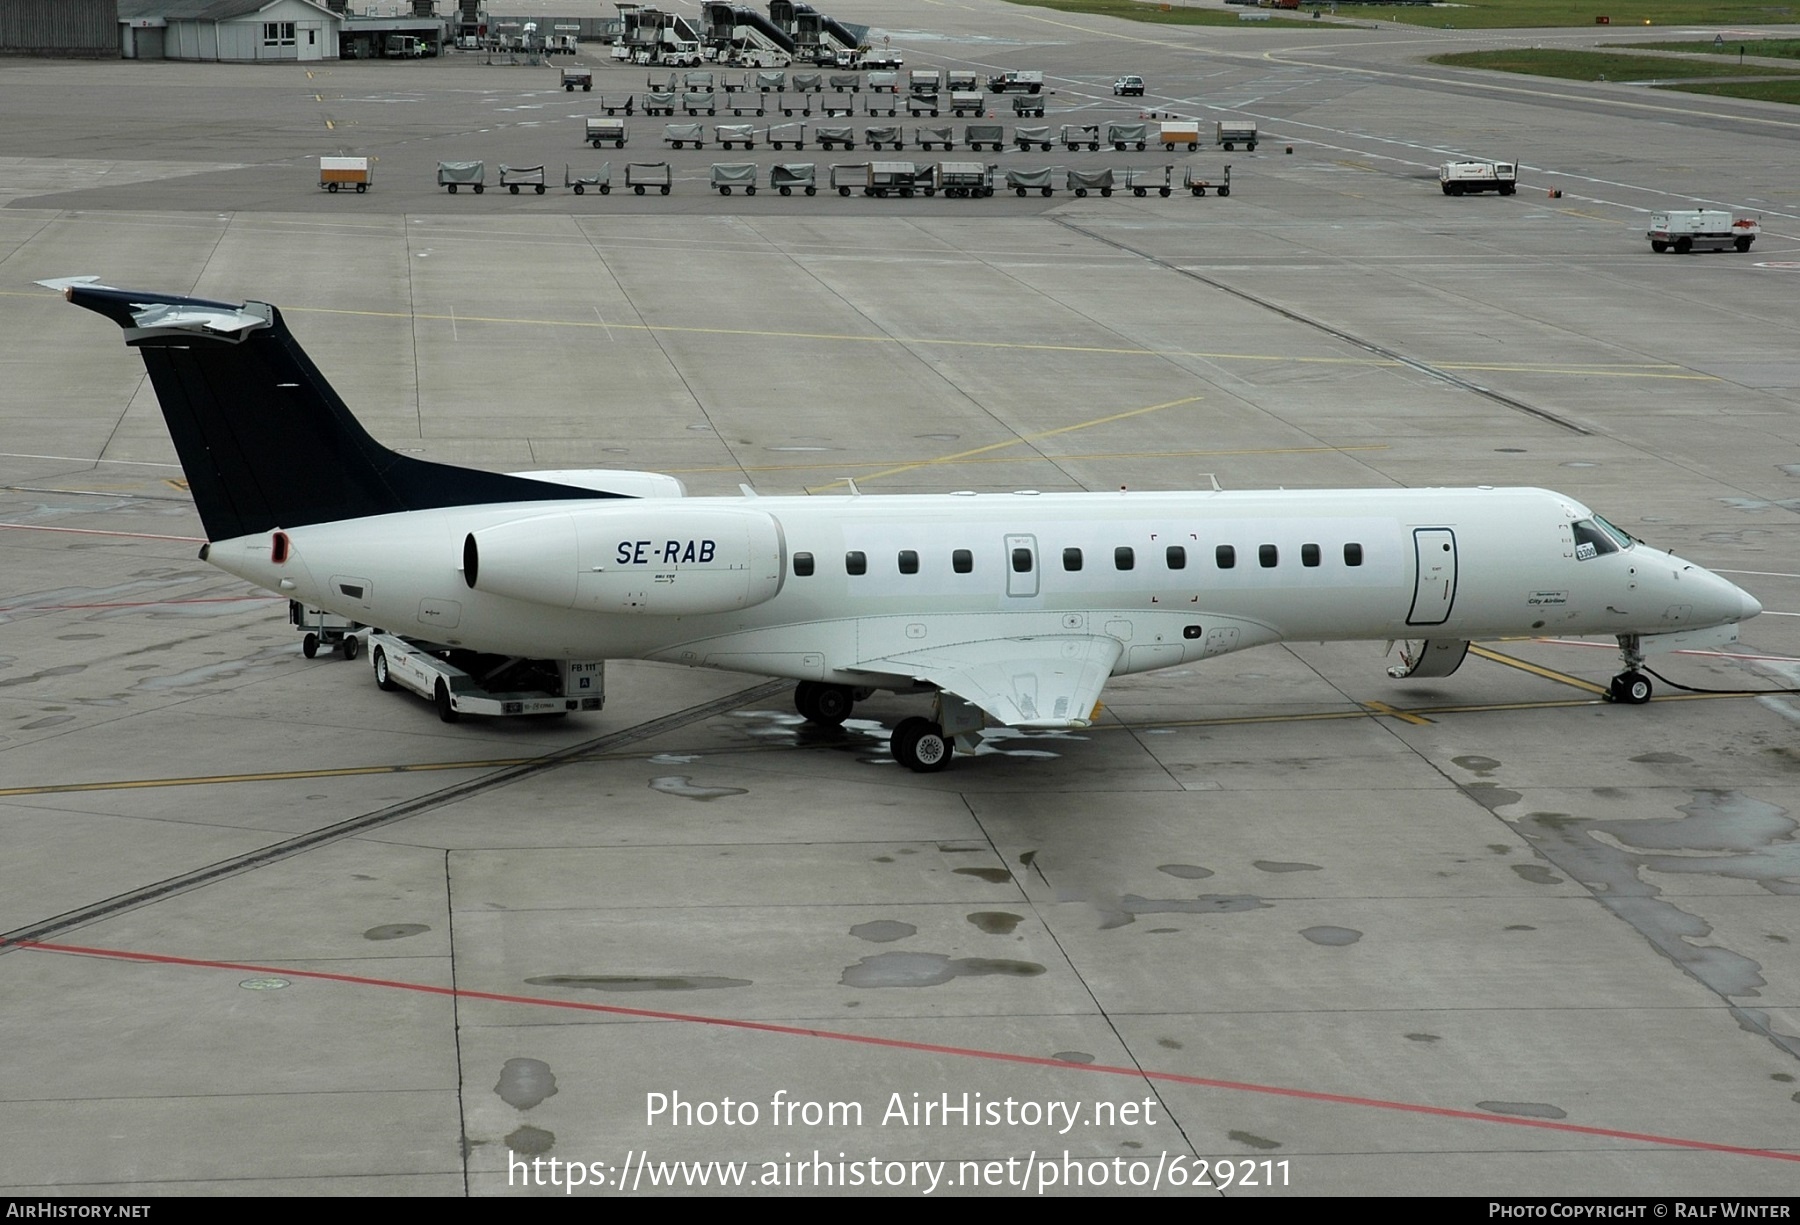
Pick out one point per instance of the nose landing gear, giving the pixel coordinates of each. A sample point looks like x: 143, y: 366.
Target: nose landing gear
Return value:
x: 1631, y: 686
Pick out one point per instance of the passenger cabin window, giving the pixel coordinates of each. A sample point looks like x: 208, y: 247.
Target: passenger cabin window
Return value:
x: 803, y: 565
x: 1124, y: 558
x: 1226, y: 556
x: 962, y: 561
x: 1021, y: 561
x: 856, y: 562
x: 1267, y: 556
x: 1353, y: 555
x: 1071, y: 559
x: 1309, y: 554
x: 909, y: 561
x: 1591, y: 542
x: 1177, y: 557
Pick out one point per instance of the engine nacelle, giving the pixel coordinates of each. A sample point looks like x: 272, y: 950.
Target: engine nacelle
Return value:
x: 663, y: 560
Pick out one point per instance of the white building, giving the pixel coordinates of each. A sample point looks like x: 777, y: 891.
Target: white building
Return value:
x: 236, y: 30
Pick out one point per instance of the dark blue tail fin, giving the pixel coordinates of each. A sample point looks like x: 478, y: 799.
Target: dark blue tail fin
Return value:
x: 264, y: 440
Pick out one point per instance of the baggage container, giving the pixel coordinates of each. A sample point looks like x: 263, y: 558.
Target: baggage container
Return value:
x: 345, y: 174
x: 451, y: 175
x: 785, y: 177
x: 607, y: 132
x: 726, y: 175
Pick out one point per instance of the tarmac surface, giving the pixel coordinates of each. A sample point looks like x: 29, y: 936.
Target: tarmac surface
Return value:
x: 274, y: 931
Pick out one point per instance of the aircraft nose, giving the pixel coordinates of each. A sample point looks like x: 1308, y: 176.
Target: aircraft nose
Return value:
x: 1750, y: 605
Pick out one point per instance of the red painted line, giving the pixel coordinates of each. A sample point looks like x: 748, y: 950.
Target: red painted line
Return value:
x: 94, y: 531
x: 210, y: 599
x: 931, y: 1048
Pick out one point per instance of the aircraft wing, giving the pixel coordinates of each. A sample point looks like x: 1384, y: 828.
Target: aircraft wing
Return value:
x: 1047, y: 682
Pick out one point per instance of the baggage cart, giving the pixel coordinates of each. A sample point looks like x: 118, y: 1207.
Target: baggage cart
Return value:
x: 641, y: 175
x: 924, y: 81
x: 884, y: 82
x: 1173, y: 132
x: 789, y: 107
x: 848, y: 175
x: 740, y: 85
x: 991, y: 134
x: 452, y: 175
x: 898, y: 178
x: 887, y: 104
x: 607, y: 132
x: 1119, y: 135
x: 841, y: 108
x: 680, y: 135
x: 699, y: 82
x: 965, y: 179
x: 1028, y: 106
x: 784, y: 177
x: 1141, y: 181
x: 514, y: 177
x: 781, y: 134
x: 918, y: 104
x: 660, y: 82
x: 699, y: 102
x: 851, y: 81
x: 1039, y: 180
x: 746, y: 104
x: 324, y: 629
x: 726, y: 175
x: 1197, y: 185
x: 771, y: 82
x: 578, y: 78
x: 730, y: 134
x: 659, y: 102
x: 1234, y: 132
x: 345, y: 174
x: 600, y: 180
x: 961, y: 78
x: 888, y: 134
x: 1083, y: 181
x: 967, y: 102
x: 808, y: 82
x: 1075, y: 135
x: 615, y: 104
x: 925, y: 138
x: 830, y: 136
x: 1027, y: 137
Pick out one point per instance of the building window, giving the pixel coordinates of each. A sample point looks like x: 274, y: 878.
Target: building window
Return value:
x: 909, y: 561
x: 856, y: 562
x: 1226, y: 556
x: 1177, y: 557
x: 1353, y: 555
x: 278, y: 33
x: 1266, y: 556
x: 1309, y: 554
x: 1071, y: 559
x: 803, y: 565
x: 962, y: 561
x: 1124, y: 558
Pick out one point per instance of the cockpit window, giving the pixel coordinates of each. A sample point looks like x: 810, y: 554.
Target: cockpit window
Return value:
x: 1591, y: 541
x: 1625, y: 538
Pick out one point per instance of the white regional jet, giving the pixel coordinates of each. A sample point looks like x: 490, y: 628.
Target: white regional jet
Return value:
x: 1008, y: 609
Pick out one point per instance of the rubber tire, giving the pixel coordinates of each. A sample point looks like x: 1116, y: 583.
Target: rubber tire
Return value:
x: 579, y: 189
x: 1020, y: 192
x: 749, y: 191
x: 441, y: 696
x: 1742, y: 244
x: 540, y: 189
x: 452, y: 187
x: 332, y: 188
x: 1224, y: 191
x: 514, y: 189
x: 606, y: 189
x: 349, y: 647
x: 479, y: 189
x: 787, y: 191
x: 832, y: 704
x: 1683, y: 245
x: 812, y: 191
x: 663, y: 190
x: 383, y: 681
x: 921, y: 746
x: 309, y: 645
x: 361, y: 188
x: 724, y: 191
x: 638, y: 190
x: 1659, y: 247
x: 1631, y: 688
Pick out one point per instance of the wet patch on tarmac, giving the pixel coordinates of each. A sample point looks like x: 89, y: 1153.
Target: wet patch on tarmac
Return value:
x: 1073, y: 1056
x: 1332, y: 937
x: 993, y: 876
x: 1489, y: 796
x: 638, y: 982
x: 1480, y: 767
x: 1275, y: 865
x: 883, y: 931
x: 1126, y: 910
x: 930, y: 970
x: 1528, y: 1110
x: 1422, y: 1037
x: 681, y: 785
x: 1670, y: 759
x: 1185, y: 871
x: 1537, y: 874
x: 395, y: 931
x: 531, y: 1141
x: 995, y: 922
x: 524, y: 1083
x: 1252, y: 1140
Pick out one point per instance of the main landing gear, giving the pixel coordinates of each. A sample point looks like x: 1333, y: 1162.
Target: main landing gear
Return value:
x: 826, y: 705
x: 1631, y: 686
x: 921, y: 745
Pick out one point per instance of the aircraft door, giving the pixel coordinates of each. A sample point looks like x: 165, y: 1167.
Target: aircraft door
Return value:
x: 1021, y: 566
x: 1435, y: 588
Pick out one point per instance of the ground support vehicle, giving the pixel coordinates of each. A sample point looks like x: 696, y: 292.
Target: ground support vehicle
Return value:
x: 830, y: 136
x: 967, y: 102
x: 1028, y: 106
x: 345, y: 174
x: 887, y: 134
x: 784, y: 177
x: 1027, y: 137
x: 884, y: 82
x: 1701, y: 229
x: 466, y: 683
x: 845, y: 81
x: 918, y: 104
x: 1197, y: 186
x: 808, y: 83
x: 1040, y: 180
x: 1234, y: 132
x: 898, y: 179
x: 780, y: 134
x: 680, y: 135
x: 600, y: 179
x: 1075, y: 135
x: 726, y: 175
x: 746, y: 104
x: 578, y: 78
x: 883, y: 59
x: 925, y: 138
x: 607, y: 132
x: 991, y: 134
x: 324, y: 629
x: 1083, y: 181
x: 771, y: 82
x: 697, y: 102
x: 642, y: 175
x: 514, y: 177
x: 1143, y: 181
x: 452, y: 175
x: 1173, y: 132
x: 964, y: 179
x: 1467, y: 178
x: 730, y: 134
x: 614, y: 105
x: 1121, y: 135
x: 847, y: 176
x: 1128, y: 87
x: 659, y: 102
x: 1025, y: 82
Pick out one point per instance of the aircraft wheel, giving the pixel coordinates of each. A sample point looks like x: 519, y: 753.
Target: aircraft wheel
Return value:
x: 309, y: 645
x: 921, y: 746
x: 382, y: 679
x: 1632, y: 688
x: 441, y: 695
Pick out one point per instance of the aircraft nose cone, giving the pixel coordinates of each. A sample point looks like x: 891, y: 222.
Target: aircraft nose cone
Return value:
x: 1750, y: 605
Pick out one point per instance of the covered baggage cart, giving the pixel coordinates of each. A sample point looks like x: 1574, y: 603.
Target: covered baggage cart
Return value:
x: 1083, y: 181
x: 848, y: 175
x: 830, y: 136
x: 615, y: 104
x: 846, y: 81
x: 699, y: 81
x: 680, y: 135
x: 347, y: 174
x: 887, y: 134
x: 1119, y: 135
x: 659, y: 102
x: 1234, y: 132
x: 699, y: 102
x: 992, y: 135
x: 961, y: 78
x: 726, y: 175
x: 1075, y: 135
x: 600, y: 180
x: 1143, y: 180
x: 898, y: 179
x: 578, y: 78
x: 1028, y: 106
x: 790, y: 107
x: 921, y: 104
x: 771, y: 82
x: 965, y: 179
x: 730, y: 134
x: 1173, y: 132
x: 607, y: 132
x: 740, y: 85
x: 925, y: 138
x: 746, y: 104
x: 514, y: 177
x: 640, y: 175
x: 784, y: 177
x: 1027, y: 137
x: 452, y: 175
x: 1039, y: 180
x: 1197, y: 185
x: 807, y: 82
x: 781, y: 134
x: 884, y: 82
x: 924, y: 81
x: 967, y: 102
